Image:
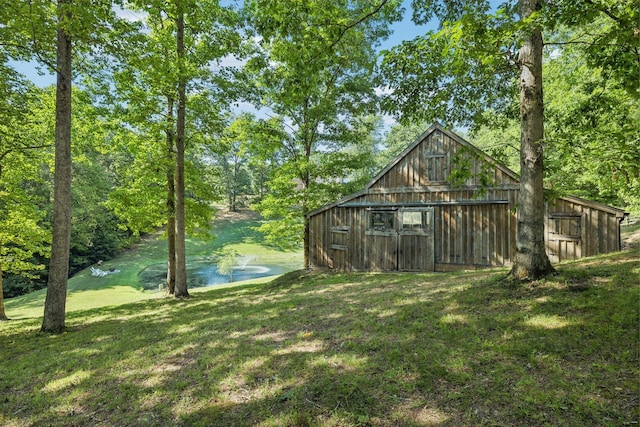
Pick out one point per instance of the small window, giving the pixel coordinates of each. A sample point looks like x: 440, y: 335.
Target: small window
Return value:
x: 416, y: 220
x: 568, y: 226
x: 381, y: 220
x: 339, y: 238
x: 436, y: 168
x: 412, y: 220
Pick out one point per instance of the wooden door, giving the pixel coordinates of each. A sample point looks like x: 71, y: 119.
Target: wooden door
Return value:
x: 415, y: 240
x: 381, y: 251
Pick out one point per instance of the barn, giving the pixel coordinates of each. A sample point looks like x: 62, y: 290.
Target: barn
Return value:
x: 444, y: 205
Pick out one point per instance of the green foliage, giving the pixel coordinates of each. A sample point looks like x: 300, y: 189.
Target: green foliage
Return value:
x: 227, y: 261
x: 592, y: 137
x: 593, y: 134
x: 606, y: 31
x: 24, y: 235
x: 454, y: 74
x: 316, y: 74
x: 232, y: 160
x: 146, y: 99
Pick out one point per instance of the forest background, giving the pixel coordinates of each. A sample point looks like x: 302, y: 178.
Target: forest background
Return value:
x: 319, y: 132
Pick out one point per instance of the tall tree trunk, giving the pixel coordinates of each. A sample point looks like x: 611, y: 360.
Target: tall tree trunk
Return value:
x: 306, y: 181
x: 55, y: 302
x: 531, y: 261
x: 181, y: 270
x: 3, y: 316
x: 171, y: 200
x: 306, y: 240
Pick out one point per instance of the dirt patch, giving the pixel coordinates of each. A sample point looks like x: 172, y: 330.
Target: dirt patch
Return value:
x: 630, y: 235
x: 239, y: 215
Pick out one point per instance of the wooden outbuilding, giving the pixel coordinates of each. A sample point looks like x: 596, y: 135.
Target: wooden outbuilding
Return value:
x: 443, y: 205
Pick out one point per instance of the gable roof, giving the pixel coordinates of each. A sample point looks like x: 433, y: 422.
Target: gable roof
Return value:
x: 438, y: 127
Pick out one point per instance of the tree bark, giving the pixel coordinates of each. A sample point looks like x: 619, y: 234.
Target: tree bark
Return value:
x: 3, y: 315
x: 531, y: 261
x: 171, y: 200
x: 306, y: 240
x: 181, y: 270
x: 55, y: 302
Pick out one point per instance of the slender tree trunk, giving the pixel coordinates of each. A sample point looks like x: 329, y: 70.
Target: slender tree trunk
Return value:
x: 531, y: 261
x: 181, y: 270
x: 171, y: 200
x: 3, y: 316
x: 55, y: 302
x: 306, y: 239
x: 306, y: 182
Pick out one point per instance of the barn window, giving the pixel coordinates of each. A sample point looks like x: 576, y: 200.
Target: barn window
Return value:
x: 412, y: 220
x: 339, y: 238
x: 436, y: 168
x: 381, y: 220
x: 416, y: 220
x: 565, y: 226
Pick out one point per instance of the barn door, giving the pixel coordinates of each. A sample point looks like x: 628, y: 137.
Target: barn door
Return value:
x: 415, y: 240
x: 381, y: 251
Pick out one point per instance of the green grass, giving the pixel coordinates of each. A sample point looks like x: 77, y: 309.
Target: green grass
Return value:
x: 84, y: 291
x: 313, y: 349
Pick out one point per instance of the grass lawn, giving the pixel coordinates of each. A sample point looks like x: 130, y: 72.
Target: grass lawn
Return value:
x: 313, y: 349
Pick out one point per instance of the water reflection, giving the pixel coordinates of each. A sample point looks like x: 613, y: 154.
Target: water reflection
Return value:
x: 209, y: 275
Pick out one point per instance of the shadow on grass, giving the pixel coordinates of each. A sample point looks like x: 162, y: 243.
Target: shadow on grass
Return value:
x: 351, y: 349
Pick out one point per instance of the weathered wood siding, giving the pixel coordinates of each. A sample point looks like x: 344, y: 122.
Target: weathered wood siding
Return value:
x: 427, y: 166
x: 469, y: 225
x: 576, y: 229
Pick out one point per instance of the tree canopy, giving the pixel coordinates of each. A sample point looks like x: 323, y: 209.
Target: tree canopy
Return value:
x: 316, y: 73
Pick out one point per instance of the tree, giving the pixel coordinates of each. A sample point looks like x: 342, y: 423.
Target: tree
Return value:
x: 185, y: 40
x: 181, y: 257
x: 592, y: 117
x: 145, y: 99
x: 531, y: 261
x: 55, y: 302
x: 591, y: 133
x: 261, y: 150
x: 476, y: 60
x: 317, y: 77
x: 30, y: 33
x: 22, y: 151
x: 227, y: 262
x: 233, y: 159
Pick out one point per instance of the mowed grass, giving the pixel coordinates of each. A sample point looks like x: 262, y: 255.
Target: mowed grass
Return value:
x: 314, y: 349
x: 84, y: 291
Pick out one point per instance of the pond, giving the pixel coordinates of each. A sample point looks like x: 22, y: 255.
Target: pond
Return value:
x: 210, y: 276
x: 202, y: 273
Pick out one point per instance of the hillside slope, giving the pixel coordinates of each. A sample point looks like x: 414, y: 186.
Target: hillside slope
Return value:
x: 459, y: 349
